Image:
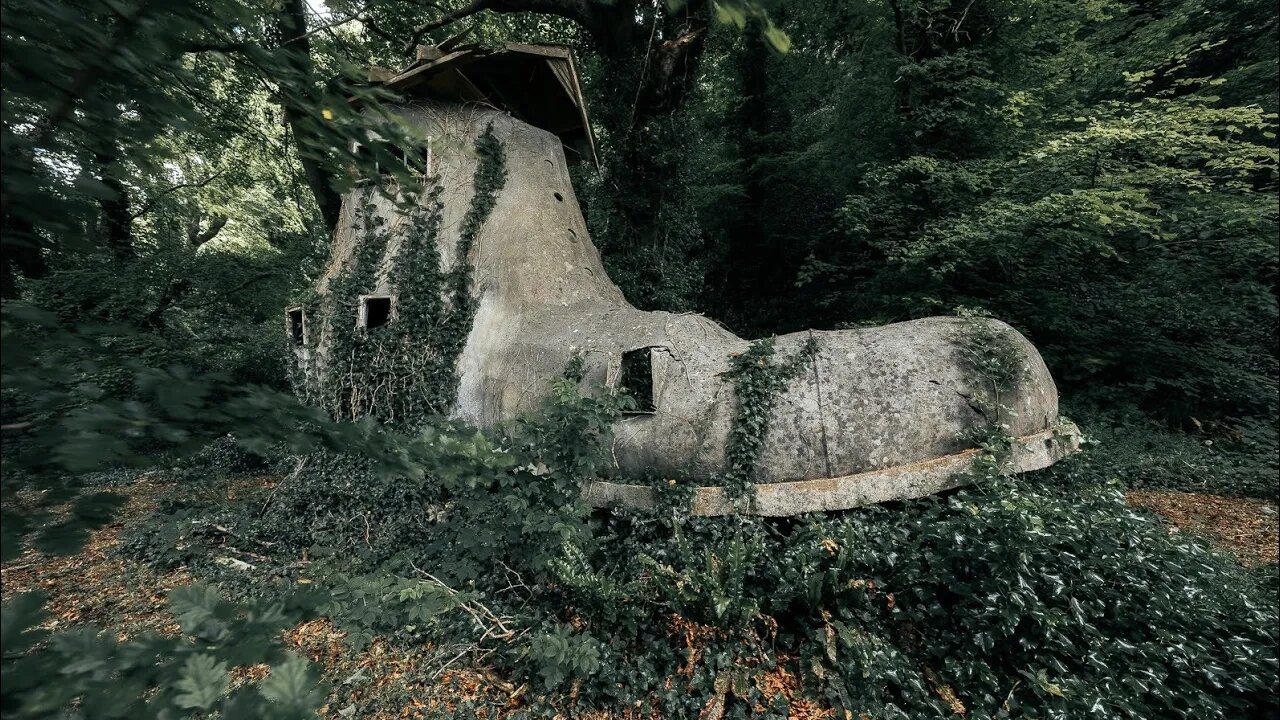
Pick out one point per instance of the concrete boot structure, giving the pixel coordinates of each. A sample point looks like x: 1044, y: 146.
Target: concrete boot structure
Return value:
x: 868, y: 415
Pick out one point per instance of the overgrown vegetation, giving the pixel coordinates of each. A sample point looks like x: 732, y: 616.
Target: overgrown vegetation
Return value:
x: 403, y: 373
x: 1102, y: 175
x: 757, y: 383
x: 999, y: 599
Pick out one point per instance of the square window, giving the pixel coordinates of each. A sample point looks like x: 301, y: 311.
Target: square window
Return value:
x: 415, y: 161
x: 375, y: 311
x: 296, y: 323
x: 635, y: 377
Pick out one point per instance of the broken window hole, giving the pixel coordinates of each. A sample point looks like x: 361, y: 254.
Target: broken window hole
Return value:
x: 415, y: 161
x: 375, y: 311
x: 635, y: 378
x: 297, y: 329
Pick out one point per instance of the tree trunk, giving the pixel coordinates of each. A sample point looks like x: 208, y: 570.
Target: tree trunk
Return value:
x: 670, y: 65
x: 22, y: 255
x: 753, y: 264
x: 644, y: 86
x: 298, y: 97
x: 117, y: 221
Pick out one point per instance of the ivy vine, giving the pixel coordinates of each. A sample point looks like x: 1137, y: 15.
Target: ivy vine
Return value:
x: 490, y: 177
x: 999, y: 365
x: 405, y: 371
x: 758, y: 381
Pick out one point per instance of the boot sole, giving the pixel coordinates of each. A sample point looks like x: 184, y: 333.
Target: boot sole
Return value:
x: 912, y: 480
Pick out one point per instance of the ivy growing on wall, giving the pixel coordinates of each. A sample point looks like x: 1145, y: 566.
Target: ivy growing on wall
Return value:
x: 757, y: 382
x: 998, y: 365
x: 490, y: 177
x: 403, y: 371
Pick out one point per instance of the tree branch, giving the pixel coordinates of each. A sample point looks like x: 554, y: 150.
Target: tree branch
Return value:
x: 155, y: 199
x: 89, y: 74
x: 197, y: 238
x: 173, y: 291
x: 602, y: 21
x: 448, y: 18
x: 328, y: 26
x: 256, y: 278
x: 220, y: 48
x: 117, y: 221
x: 292, y: 26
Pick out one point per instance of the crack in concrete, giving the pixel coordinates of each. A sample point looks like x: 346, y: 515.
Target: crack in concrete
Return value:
x: 822, y: 411
x: 968, y: 400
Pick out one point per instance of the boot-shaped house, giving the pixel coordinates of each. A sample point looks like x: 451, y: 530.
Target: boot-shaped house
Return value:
x: 470, y: 297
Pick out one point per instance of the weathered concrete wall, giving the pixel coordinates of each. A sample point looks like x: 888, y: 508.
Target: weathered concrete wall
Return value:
x: 873, y: 399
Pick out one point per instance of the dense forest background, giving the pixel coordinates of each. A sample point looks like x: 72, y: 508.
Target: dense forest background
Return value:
x: 1101, y: 174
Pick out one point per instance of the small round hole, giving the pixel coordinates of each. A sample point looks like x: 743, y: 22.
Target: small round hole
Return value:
x: 559, y: 197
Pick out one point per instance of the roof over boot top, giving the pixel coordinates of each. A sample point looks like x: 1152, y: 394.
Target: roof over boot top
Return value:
x: 534, y: 83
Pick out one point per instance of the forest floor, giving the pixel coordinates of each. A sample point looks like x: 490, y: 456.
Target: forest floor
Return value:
x: 97, y: 586
x: 1247, y: 528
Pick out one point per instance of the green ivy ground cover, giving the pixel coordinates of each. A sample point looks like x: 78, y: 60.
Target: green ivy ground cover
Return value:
x: 1014, y: 598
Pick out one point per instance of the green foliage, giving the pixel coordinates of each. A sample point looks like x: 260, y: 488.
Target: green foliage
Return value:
x: 1241, y: 459
x: 1007, y: 595
x: 338, y: 504
x: 221, y: 459
x: 1006, y: 582
x: 154, y: 676
x: 478, y: 499
x: 490, y: 177
x: 1147, y: 233
x: 757, y: 383
x: 406, y: 371
x: 999, y: 365
x: 1013, y: 598
x: 560, y: 654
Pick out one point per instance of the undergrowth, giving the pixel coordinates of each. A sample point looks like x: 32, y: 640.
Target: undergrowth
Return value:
x: 1006, y: 598
x: 1045, y: 596
x: 1241, y: 458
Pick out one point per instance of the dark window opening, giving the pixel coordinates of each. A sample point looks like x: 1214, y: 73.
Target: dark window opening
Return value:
x: 375, y: 312
x: 364, y: 156
x: 295, y: 326
x: 635, y: 378
x: 415, y: 161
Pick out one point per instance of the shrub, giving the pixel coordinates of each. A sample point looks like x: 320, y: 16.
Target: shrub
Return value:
x: 1003, y: 598
x: 1000, y: 598
x: 1240, y: 459
x: 154, y: 676
x: 514, y: 498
